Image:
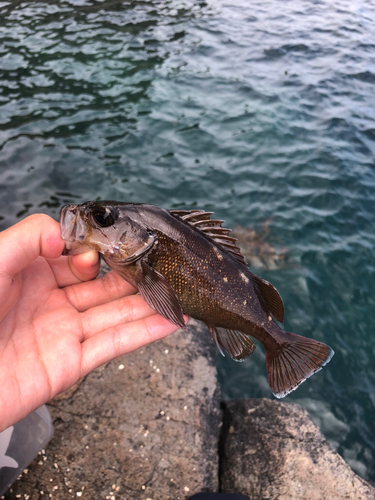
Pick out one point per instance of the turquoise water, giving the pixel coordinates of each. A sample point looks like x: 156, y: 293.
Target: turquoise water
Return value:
x: 259, y: 111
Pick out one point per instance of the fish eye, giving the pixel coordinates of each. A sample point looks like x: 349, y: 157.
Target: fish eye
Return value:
x: 103, y: 217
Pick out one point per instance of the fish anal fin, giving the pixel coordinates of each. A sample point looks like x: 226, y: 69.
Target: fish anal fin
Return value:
x: 237, y: 344
x: 159, y: 294
x: 214, y: 335
x: 270, y: 296
x: 212, y: 228
x: 296, y: 359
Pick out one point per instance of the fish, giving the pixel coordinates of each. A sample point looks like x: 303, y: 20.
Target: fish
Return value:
x: 185, y: 262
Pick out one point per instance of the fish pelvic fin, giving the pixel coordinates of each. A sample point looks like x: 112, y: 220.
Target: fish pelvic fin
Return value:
x: 238, y: 345
x: 296, y: 359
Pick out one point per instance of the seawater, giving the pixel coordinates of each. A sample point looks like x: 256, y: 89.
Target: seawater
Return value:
x: 258, y: 111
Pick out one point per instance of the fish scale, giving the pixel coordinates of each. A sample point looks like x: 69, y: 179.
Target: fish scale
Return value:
x: 189, y: 277
x: 183, y: 261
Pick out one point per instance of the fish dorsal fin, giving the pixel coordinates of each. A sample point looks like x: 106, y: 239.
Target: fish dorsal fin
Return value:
x: 192, y: 216
x: 212, y: 228
x: 269, y: 297
x: 237, y: 344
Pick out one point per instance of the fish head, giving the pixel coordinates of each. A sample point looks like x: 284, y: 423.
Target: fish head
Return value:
x: 107, y: 228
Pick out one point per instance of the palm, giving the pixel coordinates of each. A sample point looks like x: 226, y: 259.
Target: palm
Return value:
x: 56, y: 328
x: 42, y: 351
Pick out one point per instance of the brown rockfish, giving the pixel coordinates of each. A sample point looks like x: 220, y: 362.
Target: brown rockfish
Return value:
x: 182, y: 261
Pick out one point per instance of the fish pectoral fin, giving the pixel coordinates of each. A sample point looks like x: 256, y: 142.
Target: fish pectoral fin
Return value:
x: 159, y: 294
x: 237, y: 344
x: 268, y: 295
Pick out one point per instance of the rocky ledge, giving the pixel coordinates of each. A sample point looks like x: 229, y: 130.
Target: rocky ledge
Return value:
x: 149, y: 426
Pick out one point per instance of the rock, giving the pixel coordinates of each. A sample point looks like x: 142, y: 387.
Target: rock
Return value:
x: 144, y: 426
x: 273, y: 450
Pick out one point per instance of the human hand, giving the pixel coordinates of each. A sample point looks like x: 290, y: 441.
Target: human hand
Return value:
x: 55, y: 326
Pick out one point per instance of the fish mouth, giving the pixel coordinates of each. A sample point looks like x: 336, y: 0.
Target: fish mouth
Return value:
x: 68, y: 216
x: 73, y: 230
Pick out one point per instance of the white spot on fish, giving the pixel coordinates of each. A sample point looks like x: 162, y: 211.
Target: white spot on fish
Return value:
x: 244, y: 302
x: 225, y: 279
x: 219, y: 256
x: 244, y: 278
x: 269, y: 318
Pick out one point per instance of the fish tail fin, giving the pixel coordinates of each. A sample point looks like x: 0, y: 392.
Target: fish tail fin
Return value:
x: 293, y: 361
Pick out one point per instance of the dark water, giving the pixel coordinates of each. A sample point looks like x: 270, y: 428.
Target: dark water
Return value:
x: 258, y: 111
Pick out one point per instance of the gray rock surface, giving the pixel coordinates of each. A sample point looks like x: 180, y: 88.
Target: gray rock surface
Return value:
x: 273, y: 450
x: 147, y: 426
x: 144, y: 426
